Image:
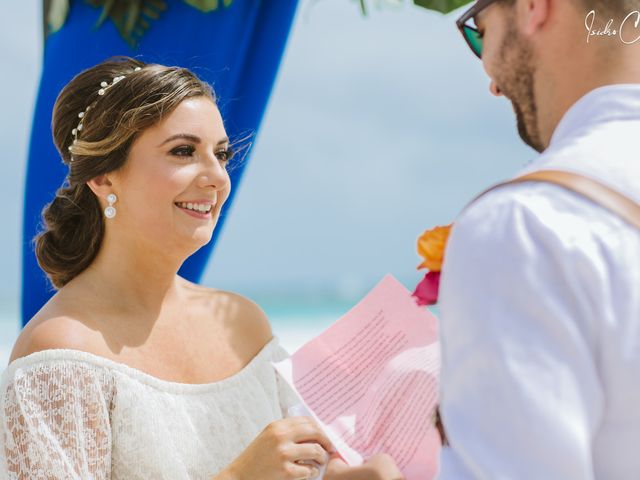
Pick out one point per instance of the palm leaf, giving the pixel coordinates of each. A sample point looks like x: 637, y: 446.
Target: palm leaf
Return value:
x: 207, y: 6
x: 56, y: 12
x: 106, y: 10
x: 131, y: 17
x: 363, y: 7
x: 442, y: 6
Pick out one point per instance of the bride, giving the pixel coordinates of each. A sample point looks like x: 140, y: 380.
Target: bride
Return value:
x: 130, y: 371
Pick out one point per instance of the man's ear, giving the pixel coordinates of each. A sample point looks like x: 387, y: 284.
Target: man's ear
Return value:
x: 533, y: 15
x: 101, y: 185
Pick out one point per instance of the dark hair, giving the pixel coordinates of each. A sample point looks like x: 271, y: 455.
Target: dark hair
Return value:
x: 73, y: 221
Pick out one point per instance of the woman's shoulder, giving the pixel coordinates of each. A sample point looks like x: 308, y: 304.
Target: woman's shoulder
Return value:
x: 54, y: 332
x: 56, y: 351
x: 237, y: 312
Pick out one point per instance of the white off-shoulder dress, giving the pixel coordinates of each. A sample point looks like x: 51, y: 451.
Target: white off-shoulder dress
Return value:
x: 68, y: 414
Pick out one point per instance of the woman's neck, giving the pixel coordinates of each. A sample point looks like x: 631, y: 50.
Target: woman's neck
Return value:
x: 135, y: 278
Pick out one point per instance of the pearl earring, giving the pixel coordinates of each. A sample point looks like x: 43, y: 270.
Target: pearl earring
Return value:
x: 110, y: 211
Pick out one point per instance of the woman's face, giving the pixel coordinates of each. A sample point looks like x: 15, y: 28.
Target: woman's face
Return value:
x: 174, y: 167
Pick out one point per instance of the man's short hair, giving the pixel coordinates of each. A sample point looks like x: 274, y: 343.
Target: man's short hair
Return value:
x: 610, y: 8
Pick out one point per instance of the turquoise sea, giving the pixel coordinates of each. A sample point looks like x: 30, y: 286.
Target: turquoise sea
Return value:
x: 295, y: 326
x: 9, y: 329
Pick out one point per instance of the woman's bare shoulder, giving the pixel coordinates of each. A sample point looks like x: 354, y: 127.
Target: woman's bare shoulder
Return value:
x: 236, y: 311
x: 52, y: 328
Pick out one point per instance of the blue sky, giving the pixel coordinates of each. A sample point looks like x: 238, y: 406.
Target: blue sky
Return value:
x: 378, y: 128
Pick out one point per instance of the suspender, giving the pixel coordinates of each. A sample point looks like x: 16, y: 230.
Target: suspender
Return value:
x: 599, y: 193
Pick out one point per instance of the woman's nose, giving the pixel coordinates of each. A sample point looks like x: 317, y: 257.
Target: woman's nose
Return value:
x: 214, y: 174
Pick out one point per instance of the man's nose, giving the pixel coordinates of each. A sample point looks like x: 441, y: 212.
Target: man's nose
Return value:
x: 494, y: 89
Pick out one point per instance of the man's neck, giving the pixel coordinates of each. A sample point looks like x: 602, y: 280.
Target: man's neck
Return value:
x: 556, y: 96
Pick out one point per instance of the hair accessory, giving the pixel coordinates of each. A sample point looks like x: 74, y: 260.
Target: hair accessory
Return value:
x: 110, y: 211
x: 104, y: 86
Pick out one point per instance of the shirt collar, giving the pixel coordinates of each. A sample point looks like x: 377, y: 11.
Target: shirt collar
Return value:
x: 601, y: 105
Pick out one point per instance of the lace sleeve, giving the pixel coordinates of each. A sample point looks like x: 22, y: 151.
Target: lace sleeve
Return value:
x: 54, y: 421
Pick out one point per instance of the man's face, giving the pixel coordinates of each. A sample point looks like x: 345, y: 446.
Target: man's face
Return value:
x: 509, y: 60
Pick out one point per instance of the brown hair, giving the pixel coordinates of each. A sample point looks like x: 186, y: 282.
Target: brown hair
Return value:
x: 73, y: 221
x: 613, y: 8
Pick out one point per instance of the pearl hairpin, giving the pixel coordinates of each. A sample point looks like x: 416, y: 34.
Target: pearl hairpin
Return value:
x: 104, y: 86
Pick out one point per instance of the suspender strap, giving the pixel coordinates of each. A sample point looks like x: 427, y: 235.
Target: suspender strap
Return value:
x: 595, y: 191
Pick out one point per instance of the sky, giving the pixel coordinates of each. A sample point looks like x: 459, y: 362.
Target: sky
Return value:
x: 378, y: 128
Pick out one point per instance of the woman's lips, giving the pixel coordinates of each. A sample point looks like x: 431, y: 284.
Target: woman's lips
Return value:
x: 195, y: 214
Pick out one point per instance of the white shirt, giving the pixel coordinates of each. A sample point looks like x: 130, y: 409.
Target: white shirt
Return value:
x: 68, y: 414
x: 540, y: 314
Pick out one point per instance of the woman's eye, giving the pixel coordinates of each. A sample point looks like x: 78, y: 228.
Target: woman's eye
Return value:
x: 183, y: 151
x: 225, y: 155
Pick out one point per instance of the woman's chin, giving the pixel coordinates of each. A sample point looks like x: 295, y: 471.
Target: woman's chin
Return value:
x: 199, y: 237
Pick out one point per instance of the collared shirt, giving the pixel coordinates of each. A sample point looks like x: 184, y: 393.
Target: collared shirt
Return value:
x: 540, y: 314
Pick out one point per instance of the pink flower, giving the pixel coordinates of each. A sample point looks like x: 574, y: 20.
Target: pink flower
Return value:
x: 426, y: 292
x: 431, y: 246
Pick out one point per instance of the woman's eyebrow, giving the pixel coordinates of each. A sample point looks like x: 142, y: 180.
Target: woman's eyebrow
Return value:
x: 192, y: 138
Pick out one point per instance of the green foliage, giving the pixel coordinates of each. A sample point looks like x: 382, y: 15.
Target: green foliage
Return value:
x: 442, y: 6
x: 56, y: 15
x: 207, y: 5
x: 132, y: 18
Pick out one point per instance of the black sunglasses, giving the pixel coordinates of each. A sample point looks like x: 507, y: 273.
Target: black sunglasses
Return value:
x: 470, y: 32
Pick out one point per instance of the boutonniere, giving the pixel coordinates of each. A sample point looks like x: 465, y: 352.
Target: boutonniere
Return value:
x: 431, y: 247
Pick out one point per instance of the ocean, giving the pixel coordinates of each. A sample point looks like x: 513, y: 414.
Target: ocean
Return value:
x: 9, y: 329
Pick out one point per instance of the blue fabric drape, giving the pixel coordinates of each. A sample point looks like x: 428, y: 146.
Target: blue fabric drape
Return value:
x: 237, y: 49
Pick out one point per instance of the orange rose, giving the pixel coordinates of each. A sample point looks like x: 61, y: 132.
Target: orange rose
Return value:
x: 431, y: 246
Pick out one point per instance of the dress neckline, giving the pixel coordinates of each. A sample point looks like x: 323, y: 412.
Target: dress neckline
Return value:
x: 63, y: 354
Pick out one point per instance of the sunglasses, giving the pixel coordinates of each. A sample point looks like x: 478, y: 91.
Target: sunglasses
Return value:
x: 469, y: 31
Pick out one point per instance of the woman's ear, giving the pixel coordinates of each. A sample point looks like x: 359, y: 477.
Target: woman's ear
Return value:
x: 101, y: 185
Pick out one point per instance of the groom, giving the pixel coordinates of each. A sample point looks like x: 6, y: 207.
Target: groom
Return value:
x: 540, y: 292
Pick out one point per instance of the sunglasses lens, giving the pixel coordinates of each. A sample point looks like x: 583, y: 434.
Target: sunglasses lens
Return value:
x: 474, y: 40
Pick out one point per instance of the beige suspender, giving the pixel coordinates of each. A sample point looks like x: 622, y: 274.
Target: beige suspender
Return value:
x: 599, y: 193
x: 608, y: 198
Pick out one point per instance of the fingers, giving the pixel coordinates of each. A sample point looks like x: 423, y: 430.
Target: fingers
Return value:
x: 300, y: 445
x: 385, y: 466
x: 301, y: 472
x: 336, y: 466
x: 307, y: 452
x: 306, y: 431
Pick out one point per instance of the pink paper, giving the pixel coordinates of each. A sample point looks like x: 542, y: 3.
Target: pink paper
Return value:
x: 371, y: 380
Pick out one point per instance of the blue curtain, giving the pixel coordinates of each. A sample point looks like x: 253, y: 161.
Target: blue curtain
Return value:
x: 237, y: 49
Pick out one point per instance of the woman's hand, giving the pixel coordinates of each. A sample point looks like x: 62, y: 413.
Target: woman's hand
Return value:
x: 276, y: 453
x: 378, y: 467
